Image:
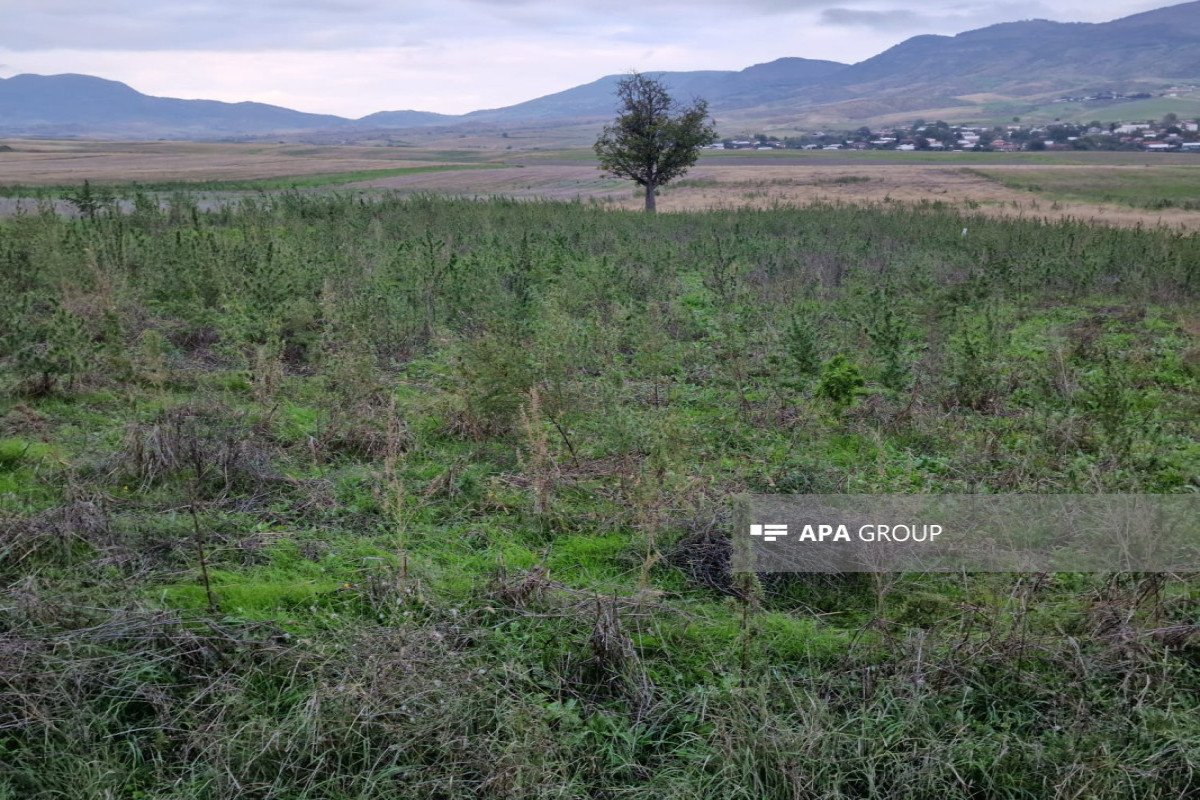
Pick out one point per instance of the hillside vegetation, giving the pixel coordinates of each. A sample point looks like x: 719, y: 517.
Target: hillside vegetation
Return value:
x: 323, y: 497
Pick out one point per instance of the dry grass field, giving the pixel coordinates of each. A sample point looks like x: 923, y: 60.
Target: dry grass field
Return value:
x: 1002, y: 186
x: 47, y: 163
x: 764, y: 186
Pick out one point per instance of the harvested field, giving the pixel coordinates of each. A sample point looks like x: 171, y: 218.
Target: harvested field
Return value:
x: 36, y: 163
x: 876, y: 183
x: 767, y: 185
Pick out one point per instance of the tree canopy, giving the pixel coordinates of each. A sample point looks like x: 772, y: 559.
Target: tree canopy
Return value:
x: 653, y: 140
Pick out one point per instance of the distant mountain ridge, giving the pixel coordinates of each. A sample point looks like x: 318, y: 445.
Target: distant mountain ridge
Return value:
x: 723, y: 89
x: 1023, y: 60
x: 31, y: 102
x: 1010, y: 56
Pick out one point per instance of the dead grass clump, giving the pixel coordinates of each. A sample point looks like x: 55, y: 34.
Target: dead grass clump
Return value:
x: 522, y: 589
x: 703, y: 556
x: 194, y: 338
x: 613, y: 668
x: 21, y: 420
x: 458, y: 419
x: 202, y: 444
x: 1127, y: 619
x: 267, y: 373
x: 58, y: 536
x: 361, y: 432
x: 1177, y: 636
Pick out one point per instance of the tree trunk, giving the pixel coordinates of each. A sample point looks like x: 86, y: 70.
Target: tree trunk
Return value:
x: 650, y: 208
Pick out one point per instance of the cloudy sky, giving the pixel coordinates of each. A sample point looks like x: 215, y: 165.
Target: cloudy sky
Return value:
x: 354, y: 57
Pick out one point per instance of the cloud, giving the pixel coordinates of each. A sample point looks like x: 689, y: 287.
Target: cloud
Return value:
x: 879, y: 20
x: 353, y: 24
x: 204, y: 24
x: 354, y: 57
x: 949, y: 18
x: 431, y: 77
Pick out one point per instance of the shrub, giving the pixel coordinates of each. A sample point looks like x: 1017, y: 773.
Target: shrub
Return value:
x: 841, y: 382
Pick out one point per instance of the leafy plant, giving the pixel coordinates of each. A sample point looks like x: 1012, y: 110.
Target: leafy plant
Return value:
x: 974, y: 352
x: 1108, y: 398
x: 88, y: 201
x: 841, y: 382
x: 890, y: 335
x: 801, y: 358
x: 49, y: 347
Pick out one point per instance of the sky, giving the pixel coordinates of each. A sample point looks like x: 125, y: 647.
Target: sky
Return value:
x: 355, y: 57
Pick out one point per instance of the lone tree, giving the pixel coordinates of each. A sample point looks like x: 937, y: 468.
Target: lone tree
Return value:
x: 654, y: 140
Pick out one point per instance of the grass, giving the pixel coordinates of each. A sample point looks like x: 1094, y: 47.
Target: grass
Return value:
x: 1150, y: 108
x: 307, y: 181
x: 314, y: 496
x: 843, y: 157
x: 1149, y: 187
x: 239, y: 185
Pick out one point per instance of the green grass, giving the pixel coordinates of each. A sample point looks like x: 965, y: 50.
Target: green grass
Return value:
x: 1145, y: 109
x: 254, y: 185
x: 1150, y: 187
x: 841, y: 157
x: 313, y: 181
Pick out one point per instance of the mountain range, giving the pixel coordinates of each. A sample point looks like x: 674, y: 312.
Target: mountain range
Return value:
x: 989, y: 71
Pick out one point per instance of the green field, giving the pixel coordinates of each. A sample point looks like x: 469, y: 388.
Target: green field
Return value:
x: 1148, y: 187
x: 327, y: 497
x: 286, y: 183
x: 1187, y: 107
x: 841, y: 157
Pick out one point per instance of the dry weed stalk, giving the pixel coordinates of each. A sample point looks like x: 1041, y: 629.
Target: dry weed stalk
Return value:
x: 538, y: 462
x: 393, y: 484
x: 91, y: 304
x: 650, y: 516
x: 150, y: 359
x: 615, y: 659
x: 266, y: 375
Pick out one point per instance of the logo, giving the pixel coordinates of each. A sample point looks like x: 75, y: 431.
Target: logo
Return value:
x: 769, y: 533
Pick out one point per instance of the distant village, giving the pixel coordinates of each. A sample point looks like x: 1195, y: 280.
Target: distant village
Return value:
x: 1170, y: 134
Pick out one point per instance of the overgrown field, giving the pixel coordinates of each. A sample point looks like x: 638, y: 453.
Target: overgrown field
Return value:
x: 322, y: 497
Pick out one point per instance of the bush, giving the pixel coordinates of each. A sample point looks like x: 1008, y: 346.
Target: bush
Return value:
x: 841, y: 383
